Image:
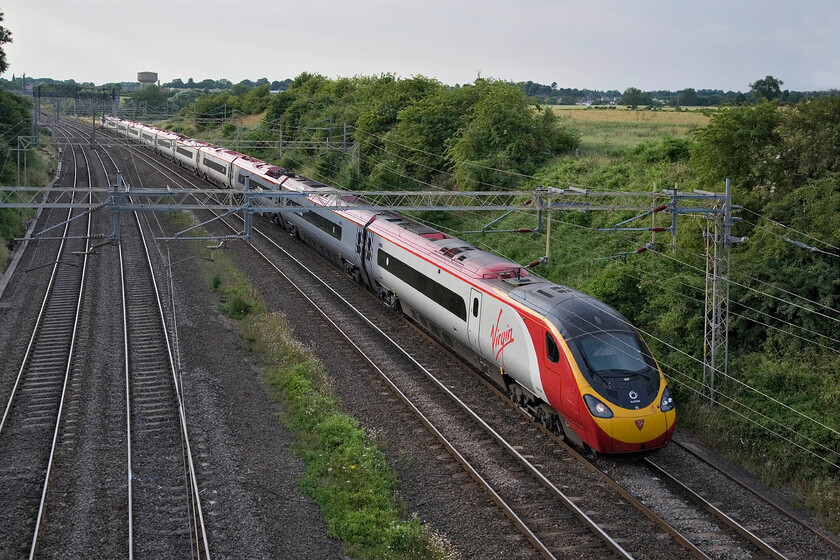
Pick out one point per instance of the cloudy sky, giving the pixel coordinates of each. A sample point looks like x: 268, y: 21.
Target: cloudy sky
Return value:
x: 595, y: 44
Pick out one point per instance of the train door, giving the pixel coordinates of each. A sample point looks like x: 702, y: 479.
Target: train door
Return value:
x: 473, y: 316
x: 562, y: 379
x: 363, y: 249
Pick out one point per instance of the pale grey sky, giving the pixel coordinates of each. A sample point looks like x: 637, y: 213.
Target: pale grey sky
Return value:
x: 606, y: 44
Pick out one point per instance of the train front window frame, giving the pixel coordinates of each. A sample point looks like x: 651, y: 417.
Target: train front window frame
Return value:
x: 614, y: 351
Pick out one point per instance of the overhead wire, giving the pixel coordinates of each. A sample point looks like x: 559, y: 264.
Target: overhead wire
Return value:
x: 774, y: 222
x: 754, y: 389
x: 424, y: 183
x: 674, y: 348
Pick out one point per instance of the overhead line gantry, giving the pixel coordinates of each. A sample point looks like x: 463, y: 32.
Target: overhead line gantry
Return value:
x: 716, y: 207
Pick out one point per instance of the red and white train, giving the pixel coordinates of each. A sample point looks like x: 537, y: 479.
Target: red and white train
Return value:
x: 572, y: 361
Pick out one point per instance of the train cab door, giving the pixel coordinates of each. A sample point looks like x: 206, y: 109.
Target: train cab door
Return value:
x: 562, y: 379
x: 473, y: 317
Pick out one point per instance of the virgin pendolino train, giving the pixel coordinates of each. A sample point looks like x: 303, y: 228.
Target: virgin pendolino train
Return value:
x: 574, y: 363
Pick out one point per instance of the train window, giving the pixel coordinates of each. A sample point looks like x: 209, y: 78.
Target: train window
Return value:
x: 614, y: 351
x: 552, y: 352
x: 475, y: 307
x: 184, y: 152
x: 323, y: 223
x: 438, y: 293
x: 219, y: 168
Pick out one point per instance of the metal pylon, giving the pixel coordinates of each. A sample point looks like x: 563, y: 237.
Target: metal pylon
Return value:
x: 716, y: 330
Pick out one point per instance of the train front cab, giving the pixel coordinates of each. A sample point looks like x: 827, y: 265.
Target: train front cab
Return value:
x: 612, y: 409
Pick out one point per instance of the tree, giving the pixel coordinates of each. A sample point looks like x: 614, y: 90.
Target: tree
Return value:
x: 505, y: 137
x: 768, y: 88
x: 808, y: 147
x: 732, y: 143
x: 239, y: 89
x: 632, y: 97
x: 152, y: 95
x: 5, y: 37
x: 687, y: 97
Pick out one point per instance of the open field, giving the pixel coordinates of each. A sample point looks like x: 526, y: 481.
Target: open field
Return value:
x: 608, y: 129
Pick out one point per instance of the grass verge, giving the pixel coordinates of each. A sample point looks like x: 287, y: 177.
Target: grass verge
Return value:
x: 346, y: 473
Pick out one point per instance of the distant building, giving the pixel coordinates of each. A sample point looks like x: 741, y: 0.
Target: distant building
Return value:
x: 146, y: 78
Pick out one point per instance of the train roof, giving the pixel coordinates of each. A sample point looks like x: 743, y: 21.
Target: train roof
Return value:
x: 450, y: 252
x: 259, y: 167
x: 191, y: 142
x: 576, y: 313
x: 221, y: 153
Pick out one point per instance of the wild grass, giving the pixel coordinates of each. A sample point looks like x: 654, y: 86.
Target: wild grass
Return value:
x: 346, y: 474
x: 610, y: 130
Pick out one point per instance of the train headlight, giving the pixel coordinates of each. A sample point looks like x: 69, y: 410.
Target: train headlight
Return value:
x: 596, y: 407
x: 667, y: 401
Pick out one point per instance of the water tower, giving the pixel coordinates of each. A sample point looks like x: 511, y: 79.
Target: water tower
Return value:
x: 146, y: 78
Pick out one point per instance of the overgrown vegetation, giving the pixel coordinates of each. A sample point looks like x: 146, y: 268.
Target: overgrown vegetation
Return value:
x: 34, y: 170
x: 777, y: 412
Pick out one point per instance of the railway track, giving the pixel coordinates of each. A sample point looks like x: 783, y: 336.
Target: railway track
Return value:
x: 165, y: 516
x: 544, y: 525
x: 119, y: 476
x: 33, y: 415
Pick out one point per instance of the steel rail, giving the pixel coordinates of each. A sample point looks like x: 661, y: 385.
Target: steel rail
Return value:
x: 472, y: 471
x: 678, y: 537
x: 611, y: 543
x: 182, y: 414
x: 817, y: 532
x: 463, y: 461
x: 717, y: 513
x: 56, y: 431
x: 192, y: 480
x: 40, y: 317
x: 191, y: 471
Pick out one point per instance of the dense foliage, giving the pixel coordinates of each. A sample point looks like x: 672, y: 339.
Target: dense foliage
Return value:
x: 779, y: 406
x: 15, y: 119
x: 417, y: 132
